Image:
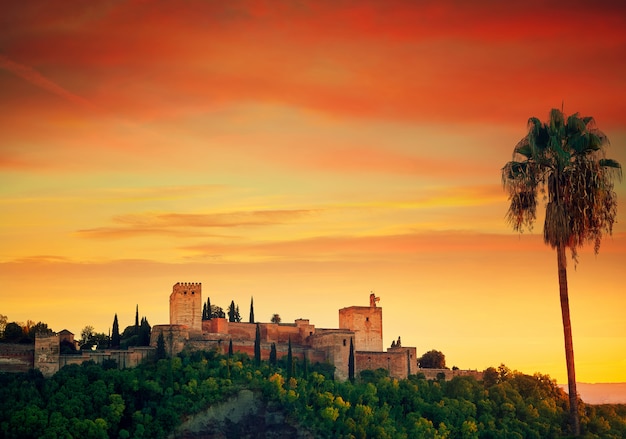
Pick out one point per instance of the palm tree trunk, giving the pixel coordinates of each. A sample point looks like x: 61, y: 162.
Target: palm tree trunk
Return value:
x: 569, y: 345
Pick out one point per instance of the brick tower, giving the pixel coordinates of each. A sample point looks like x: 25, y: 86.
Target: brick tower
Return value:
x: 367, y: 324
x: 186, y: 305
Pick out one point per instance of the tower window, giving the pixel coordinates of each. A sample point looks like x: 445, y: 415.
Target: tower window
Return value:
x: 193, y: 292
x: 344, y: 341
x: 367, y: 319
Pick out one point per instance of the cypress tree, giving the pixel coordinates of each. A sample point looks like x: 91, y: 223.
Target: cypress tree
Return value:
x: 230, y: 348
x: 257, y: 346
x: 251, y: 309
x: 144, y: 332
x: 209, y: 312
x: 290, y: 364
x: 115, y: 335
x: 351, y: 362
x: 160, y: 348
x: 204, y: 317
x: 305, y: 373
x: 137, y: 320
x: 273, y: 354
x: 231, y: 311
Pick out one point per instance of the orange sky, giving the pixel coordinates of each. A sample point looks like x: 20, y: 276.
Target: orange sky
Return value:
x: 305, y: 153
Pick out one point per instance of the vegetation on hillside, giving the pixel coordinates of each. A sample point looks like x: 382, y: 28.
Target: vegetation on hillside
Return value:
x: 100, y: 401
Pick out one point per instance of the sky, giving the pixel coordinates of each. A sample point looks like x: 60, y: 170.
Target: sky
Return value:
x: 306, y: 153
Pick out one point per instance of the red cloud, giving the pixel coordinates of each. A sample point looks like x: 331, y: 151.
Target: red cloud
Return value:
x: 426, y: 61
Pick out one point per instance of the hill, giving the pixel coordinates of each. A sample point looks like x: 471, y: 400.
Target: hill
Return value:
x: 601, y: 393
x: 156, y: 398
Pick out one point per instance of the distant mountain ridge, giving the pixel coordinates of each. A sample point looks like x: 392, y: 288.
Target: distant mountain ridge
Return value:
x: 601, y: 393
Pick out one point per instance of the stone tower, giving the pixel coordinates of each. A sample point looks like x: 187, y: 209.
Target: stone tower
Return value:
x: 47, y: 350
x: 186, y: 305
x: 367, y: 324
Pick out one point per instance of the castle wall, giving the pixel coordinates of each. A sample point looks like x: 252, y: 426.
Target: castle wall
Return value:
x: 336, y: 345
x: 16, y: 357
x: 367, y: 325
x: 399, y: 362
x: 215, y: 325
x: 448, y: 374
x: 47, y: 349
x: 174, y: 336
x: 186, y: 305
x: 124, y: 358
x: 298, y: 332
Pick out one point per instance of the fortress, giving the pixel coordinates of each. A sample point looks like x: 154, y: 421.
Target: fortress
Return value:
x: 363, y: 325
x: 360, y: 325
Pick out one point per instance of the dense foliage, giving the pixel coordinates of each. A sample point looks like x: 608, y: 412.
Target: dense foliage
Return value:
x: 93, y: 401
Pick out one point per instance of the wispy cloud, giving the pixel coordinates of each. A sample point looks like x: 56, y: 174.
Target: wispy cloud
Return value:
x: 42, y: 259
x: 180, y: 224
x: 34, y: 77
x: 371, y: 248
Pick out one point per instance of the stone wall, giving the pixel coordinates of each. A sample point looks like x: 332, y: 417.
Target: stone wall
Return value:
x: 298, y: 332
x: 16, y: 357
x: 448, y: 374
x: 336, y: 345
x: 124, y: 358
x: 399, y: 362
x: 367, y: 324
x: 174, y: 336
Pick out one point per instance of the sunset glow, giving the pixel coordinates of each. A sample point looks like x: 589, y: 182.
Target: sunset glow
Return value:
x: 306, y: 153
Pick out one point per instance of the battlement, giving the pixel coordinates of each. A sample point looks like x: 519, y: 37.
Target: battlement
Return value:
x: 188, y: 284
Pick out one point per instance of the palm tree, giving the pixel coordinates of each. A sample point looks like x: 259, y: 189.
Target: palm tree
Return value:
x: 563, y: 160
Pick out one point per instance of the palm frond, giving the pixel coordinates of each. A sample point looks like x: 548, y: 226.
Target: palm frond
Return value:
x: 565, y: 162
x: 557, y: 121
x: 523, y: 148
x: 575, y: 125
x: 613, y: 165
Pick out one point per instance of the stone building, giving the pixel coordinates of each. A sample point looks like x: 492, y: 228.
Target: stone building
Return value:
x: 361, y: 324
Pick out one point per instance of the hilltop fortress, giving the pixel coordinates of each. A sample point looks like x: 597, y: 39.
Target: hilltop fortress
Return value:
x: 363, y: 325
x: 360, y: 325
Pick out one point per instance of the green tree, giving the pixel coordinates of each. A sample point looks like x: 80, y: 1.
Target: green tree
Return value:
x: 204, y: 312
x: 115, y: 333
x: 231, y: 311
x: 351, y: 362
x: 86, y: 336
x: 144, y: 332
x: 100, y: 340
x: 208, y: 309
x: 217, y: 312
x: 290, y: 363
x: 251, y: 310
x: 257, y: 345
x: 137, y: 319
x: 3, y: 324
x: 273, y: 354
x: 160, y: 347
x: 432, y: 360
x: 490, y: 377
x: 39, y: 328
x: 230, y: 348
x: 13, y: 332
x: 276, y: 318
x: 565, y: 160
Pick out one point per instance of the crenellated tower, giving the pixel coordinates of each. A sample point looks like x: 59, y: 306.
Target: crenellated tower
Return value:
x: 186, y: 305
x: 367, y: 324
